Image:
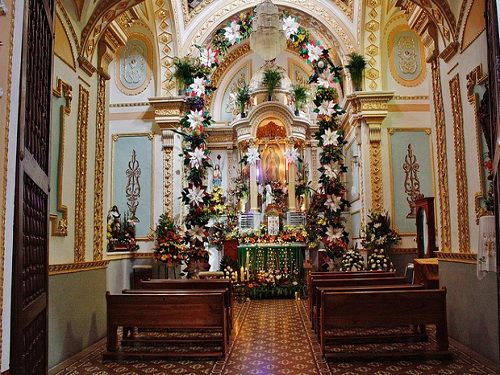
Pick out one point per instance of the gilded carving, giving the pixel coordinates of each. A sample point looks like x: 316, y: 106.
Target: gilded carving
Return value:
x: 377, y: 188
x: 133, y: 188
x: 444, y: 203
x: 168, y: 181
x: 314, y: 166
x: 460, y: 165
x: 372, y: 27
x: 412, y: 182
x: 165, y: 41
x: 59, y: 227
x: 99, y: 168
x: 81, y: 174
x: 457, y: 257
x: 58, y: 269
x: 190, y: 12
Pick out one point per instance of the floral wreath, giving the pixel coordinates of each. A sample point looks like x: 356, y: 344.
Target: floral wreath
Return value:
x: 330, y: 136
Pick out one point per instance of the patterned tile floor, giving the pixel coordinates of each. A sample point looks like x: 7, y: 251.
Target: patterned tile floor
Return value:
x: 273, y: 337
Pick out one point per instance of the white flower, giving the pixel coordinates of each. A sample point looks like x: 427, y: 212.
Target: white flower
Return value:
x: 291, y: 155
x: 198, y: 86
x: 333, y: 233
x: 197, y: 233
x: 330, y: 138
x: 290, y: 26
x: 195, y: 119
x: 326, y: 79
x: 333, y: 202
x: 314, y: 52
x: 330, y: 172
x: 252, y: 155
x: 208, y: 57
x: 326, y: 108
x: 232, y: 33
x: 195, y: 195
x: 196, y: 157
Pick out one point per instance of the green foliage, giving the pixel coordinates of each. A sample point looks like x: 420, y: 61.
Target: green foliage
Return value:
x: 378, y: 232
x: 272, y: 79
x: 243, y: 96
x: 356, y: 65
x: 185, y: 70
x: 299, y: 93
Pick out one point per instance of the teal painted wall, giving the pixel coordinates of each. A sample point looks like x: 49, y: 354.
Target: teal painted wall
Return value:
x: 122, y: 149
x: 77, y: 312
x: 420, y: 143
x: 54, y: 150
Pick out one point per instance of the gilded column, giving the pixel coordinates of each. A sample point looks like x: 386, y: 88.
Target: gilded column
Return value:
x: 253, y: 188
x: 314, y: 165
x: 460, y: 166
x: 291, y: 187
x: 444, y: 203
x: 373, y: 15
x: 376, y: 185
x: 168, y: 181
x: 230, y: 167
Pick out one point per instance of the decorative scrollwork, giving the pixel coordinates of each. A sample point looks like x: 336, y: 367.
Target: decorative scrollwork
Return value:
x: 133, y: 188
x: 412, y: 182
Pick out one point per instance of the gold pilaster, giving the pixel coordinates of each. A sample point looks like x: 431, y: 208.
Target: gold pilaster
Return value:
x: 444, y: 203
x: 314, y: 164
x: 376, y: 184
x: 168, y: 176
x: 460, y: 166
x: 291, y: 187
x: 230, y: 166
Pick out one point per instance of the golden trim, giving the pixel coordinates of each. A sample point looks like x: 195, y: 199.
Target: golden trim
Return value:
x: 120, y: 116
x: 168, y: 181
x: 100, y: 131
x: 60, y: 7
x: 452, y: 68
x: 114, y: 257
x: 403, y: 250
x: 392, y: 60
x: 115, y: 138
x: 150, y: 64
x: 164, y: 38
x: 462, y: 46
x: 81, y: 174
x: 460, y: 166
x: 373, y: 15
x: 408, y: 107
x: 410, y: 97
x: 469, y: 258
x: 442, y: 161
x: 60, y: 269
x: 73, y: 67
x: 390, y: 132
x: 3, y: 186
x: 136, y: 104
x: 477, y: 77
x: 59, y: 227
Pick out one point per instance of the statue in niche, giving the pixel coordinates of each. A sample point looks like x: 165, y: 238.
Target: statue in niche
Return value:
x: 217, y: 176
x: 114, y: 226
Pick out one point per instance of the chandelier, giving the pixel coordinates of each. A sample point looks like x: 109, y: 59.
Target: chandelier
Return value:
x: 267, y: 38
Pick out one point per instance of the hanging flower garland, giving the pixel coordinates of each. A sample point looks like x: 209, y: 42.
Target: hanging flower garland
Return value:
x: 331, y: 138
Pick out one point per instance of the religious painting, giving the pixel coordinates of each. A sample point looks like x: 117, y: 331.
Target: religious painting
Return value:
x: 272, y: 165
x: 406, y: 57
x: 133, y: 68
x: 410, y: 152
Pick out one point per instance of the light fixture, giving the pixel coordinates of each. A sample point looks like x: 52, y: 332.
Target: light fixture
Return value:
x: 267, y: 39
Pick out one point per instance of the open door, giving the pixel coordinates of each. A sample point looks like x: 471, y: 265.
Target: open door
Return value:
x: 30, y: 258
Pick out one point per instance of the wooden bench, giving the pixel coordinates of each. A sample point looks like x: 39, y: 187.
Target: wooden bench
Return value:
x: 319, y: 290
x: 368, y: 309
x: 167, y: 311
x: 342, y: 282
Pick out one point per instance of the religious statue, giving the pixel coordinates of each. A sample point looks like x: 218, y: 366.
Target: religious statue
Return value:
x: 269, y: 197
x: 114, y: 226
x: 217, y: 176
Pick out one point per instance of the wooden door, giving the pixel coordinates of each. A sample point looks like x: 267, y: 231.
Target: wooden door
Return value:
x: 30, y: 259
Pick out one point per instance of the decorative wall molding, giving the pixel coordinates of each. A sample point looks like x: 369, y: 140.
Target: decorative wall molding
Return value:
x: 164, y: 24
x: 59, y: 269
x: 457, y: 257
x: 373, y: 17
x: 442, y: 158
x: 404, y: 250
x: 460, y: 166
x: 168, y: 179
x: 81, y: 174
x: 59, y: 227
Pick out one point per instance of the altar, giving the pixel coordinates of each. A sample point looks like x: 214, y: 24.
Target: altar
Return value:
x: 273, y: 256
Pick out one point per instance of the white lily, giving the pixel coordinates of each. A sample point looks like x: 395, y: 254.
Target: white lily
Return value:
x: 196, y: 157
x: 330, y: 172
x: 197, y: 233
x: 333, y: 233
x: 327, y: 108
x: 290, y: 26
x: 333, y: 202
x: 291, y: 155
x: 252, y: 155
x: 198, y: 86
x: 208, y: 57
x: 195, y: 119
x: 326, y: 79
x: 195, y: 195
x: 314, y: 52
x: 330, y: 138
x: 232, y: 32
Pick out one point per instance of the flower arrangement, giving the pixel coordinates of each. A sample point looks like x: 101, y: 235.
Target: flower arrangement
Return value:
x: 271, y: 80
x: 356, y: 65
x: 169, y: 242
x: 288, y: 234
x: 378, y: 233
x: 352, y: 260
x: 121, y: 236
x: 379, y: 261
x: 274, y: 284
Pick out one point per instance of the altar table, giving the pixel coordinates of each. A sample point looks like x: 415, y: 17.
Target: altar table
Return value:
x: 273, y: 256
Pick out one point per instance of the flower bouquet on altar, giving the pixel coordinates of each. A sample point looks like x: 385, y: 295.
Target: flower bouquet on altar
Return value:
x: 169, y: 245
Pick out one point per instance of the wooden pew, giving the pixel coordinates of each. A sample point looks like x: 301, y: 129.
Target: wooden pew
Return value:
x: 368, y: 309
x: 227, y: 301
x: 192, y: 284
x: 166, y: 311
x: 319, y: 290
x: 336, y: 282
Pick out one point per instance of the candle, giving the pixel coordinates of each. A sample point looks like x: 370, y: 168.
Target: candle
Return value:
x: 242, y: 274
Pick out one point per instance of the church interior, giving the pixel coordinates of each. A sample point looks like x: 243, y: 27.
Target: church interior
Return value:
x: 249, y: 187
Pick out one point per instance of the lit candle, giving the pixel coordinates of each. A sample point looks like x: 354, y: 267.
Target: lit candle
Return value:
x: 242, y: 274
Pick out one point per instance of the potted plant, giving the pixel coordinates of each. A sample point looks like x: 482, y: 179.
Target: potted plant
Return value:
x: 185, y: 70
x: 356, y: 65
x: 272, y: 80
x: 242, y: 97
x: 299, y: 94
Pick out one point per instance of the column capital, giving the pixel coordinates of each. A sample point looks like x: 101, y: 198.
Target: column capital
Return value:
x: 372, y: 107
x: 168, y: 111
